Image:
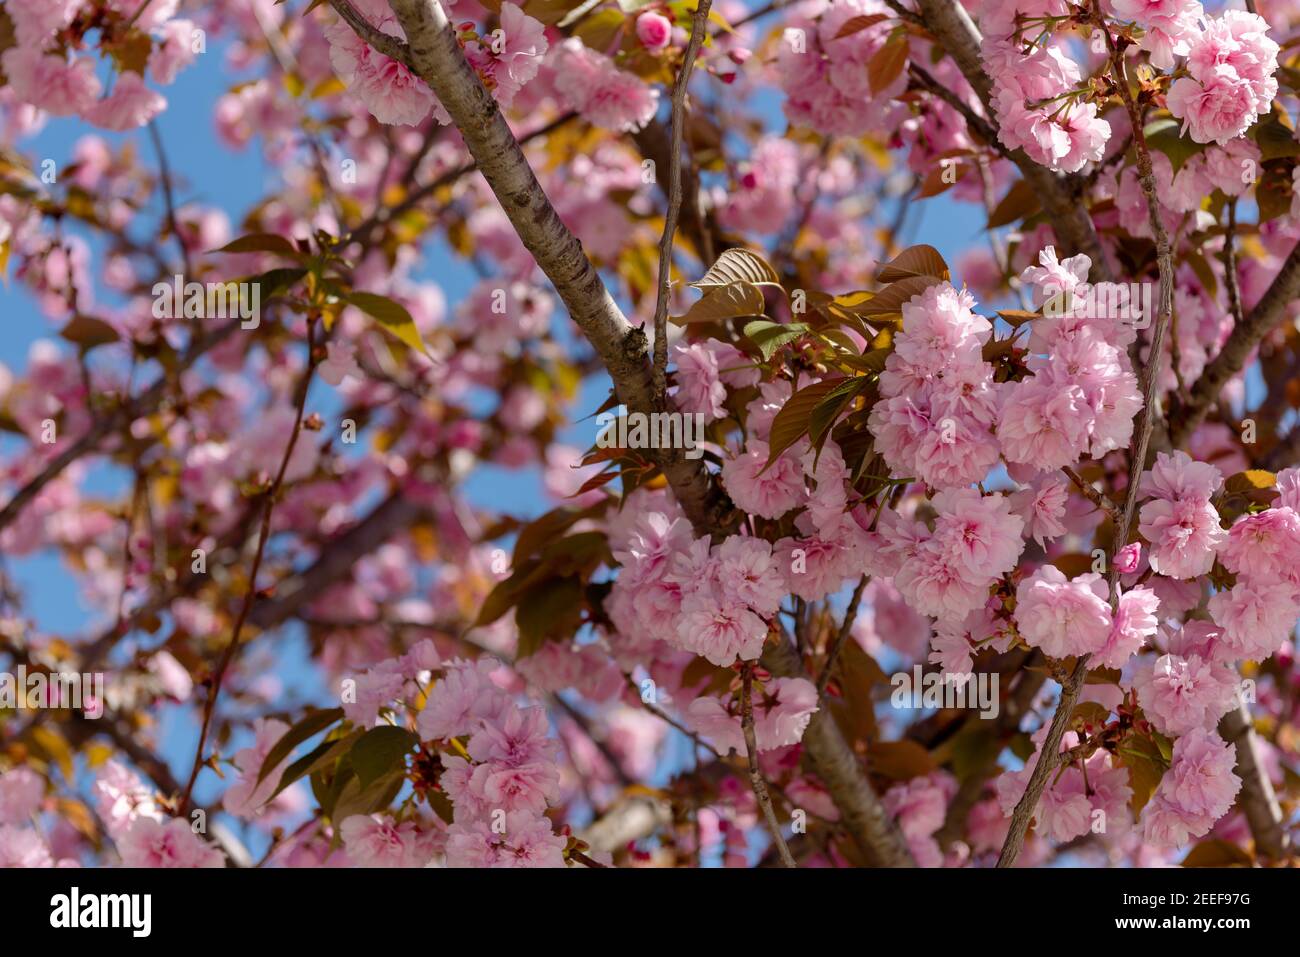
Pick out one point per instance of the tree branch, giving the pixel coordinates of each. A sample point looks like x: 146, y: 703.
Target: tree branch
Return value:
x: 123, y: 416
x: 872, y: 827
x: 680, y: 85
x: 1257, y: 800
x: 755, y: 775
x: 437, y: 58
x: 250, y: 596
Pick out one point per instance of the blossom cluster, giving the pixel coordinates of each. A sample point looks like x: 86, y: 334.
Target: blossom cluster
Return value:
x: 394, y: 94
x: 45, y: 69
x: 1038, y: 103
x: 825, y: 75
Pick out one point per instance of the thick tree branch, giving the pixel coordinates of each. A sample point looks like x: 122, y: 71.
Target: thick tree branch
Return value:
x: 394, y: 514
x: 872, y: 827
x: 437, y: 58
x: 1257, y: 800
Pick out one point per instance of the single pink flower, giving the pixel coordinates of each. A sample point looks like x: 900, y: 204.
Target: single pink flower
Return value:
x: 653, y: 30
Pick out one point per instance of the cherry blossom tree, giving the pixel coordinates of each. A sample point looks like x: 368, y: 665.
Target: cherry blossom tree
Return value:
x: 869, y: 559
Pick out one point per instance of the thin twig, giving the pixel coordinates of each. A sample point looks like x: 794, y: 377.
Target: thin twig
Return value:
x: 123, y: 416
x: 698, y: 25
x: 387, y: 214
x: 841, y: 636
x: 389, y: 46
x: 250, y: 596
x: 663, y: 715
x: 755, y: 775
x: 1091, y: 494
x: 165, y: 175
x: 977, y: 124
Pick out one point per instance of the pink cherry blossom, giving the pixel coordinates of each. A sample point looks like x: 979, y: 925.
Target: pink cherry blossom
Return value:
x: 1178, y: 694
x: 52, y: 83
x: 21, y: 790
x: 699, y: 385
x: 653, y: 30
x: 1133, y: 625
x: 374, y: 841
x: 340, y: 363
x: 720, y: 630
x: 1063, y: 617
x: 1042, y: 507
x: 35, y: 21
x: 769, y: 493
x: 1264, y: 548
x: 131, y: 104
x: 605, y: 95
x: 527, y: 840
x: 1255, y: 619
x: 147, y: 842
x: 1196, y: 791
x: 246, y: 796
x: 391, y: 92
x: 22, y: 847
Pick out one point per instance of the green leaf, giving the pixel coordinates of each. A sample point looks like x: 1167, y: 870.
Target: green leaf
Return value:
x: 828, y: 409
x: 392, y: 316
x: 1252, y: 480
x: 1274, y: 137
x: 974, y: 750
x: 273, y: 280
x: 770, y: 336
x: 349, y: 797
x: 1145, y: 768
x: 313, y: 724
x: 548, y: 611
x: 262, y: 243
x: 1213, y: 852
x: 541, y: 531
x: 1163, y: 135
x: 502, y: 596
x: 380, y: 751
x: 321, y: 756
x: 1273, y: 192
